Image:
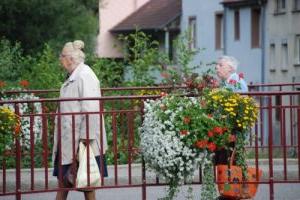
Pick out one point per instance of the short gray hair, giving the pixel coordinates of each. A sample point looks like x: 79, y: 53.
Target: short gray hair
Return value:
x: 74, y: 49
x: 230, y: 60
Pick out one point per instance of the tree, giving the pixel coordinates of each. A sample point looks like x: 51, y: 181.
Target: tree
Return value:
x: 36, y: 22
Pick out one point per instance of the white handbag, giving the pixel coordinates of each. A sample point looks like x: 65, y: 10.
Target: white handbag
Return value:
x: 82, y: 176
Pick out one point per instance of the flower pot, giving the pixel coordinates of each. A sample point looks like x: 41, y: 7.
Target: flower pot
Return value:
x: 237, y: 189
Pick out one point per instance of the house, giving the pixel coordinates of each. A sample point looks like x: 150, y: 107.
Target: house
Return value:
x: 283, y: 41
x: 112, y: 12
x: 227, y: 27
x: 204, y: 20
x: 244, y: 36
x: 282, y: 56
x: 158, y: 18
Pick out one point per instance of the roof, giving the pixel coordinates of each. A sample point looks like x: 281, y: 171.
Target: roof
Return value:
x: 154, y: 15
x: 236, y: 3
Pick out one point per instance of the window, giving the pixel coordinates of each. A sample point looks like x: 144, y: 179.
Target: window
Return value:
x: 297, y: 49
x: 255, y: 28
x: 296, y: 4
x: 237, y: 25
x: 280, y: 6
x: 278, y: 104
x: 219, y: 30
x: 272, y: 57
x: 284, y: 55
x: 192, y: 33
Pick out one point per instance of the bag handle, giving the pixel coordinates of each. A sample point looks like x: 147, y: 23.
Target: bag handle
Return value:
x: 232, y: 157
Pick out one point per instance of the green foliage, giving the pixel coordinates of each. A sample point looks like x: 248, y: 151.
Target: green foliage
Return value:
x: 36, y: 22
x: 184, y: 53
x: 45, y: 71
x: 12, y: 62
x: 175, y: 75
x: 142, y: 56
x: 109, y: 71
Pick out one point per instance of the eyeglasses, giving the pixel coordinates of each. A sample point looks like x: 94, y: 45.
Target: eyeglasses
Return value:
x: 63, y: 56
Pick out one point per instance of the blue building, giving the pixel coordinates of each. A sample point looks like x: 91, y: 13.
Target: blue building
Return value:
x: 228, y: 27
x: 200, y: 17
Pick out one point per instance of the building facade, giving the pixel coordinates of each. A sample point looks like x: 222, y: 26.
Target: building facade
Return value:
x: 112, y: 12
x: 200, y: 18
x: 283, y: 41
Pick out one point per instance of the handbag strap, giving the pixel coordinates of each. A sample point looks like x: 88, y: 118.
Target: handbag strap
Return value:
x: 232, y: 157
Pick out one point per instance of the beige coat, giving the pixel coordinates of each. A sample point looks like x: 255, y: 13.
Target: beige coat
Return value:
x: 82, y: 83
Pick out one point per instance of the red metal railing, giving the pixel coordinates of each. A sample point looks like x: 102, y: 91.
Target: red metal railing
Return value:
x: 275, y: 138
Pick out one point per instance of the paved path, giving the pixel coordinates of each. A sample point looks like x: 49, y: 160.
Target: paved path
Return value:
x: 282, y: 191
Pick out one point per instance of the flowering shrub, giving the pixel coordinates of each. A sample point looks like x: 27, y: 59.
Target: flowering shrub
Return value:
x: 9, y: 127
x: 26, y: 108
x: 177, y: 136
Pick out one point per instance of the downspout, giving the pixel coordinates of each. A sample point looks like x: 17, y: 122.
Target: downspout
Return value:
x: 263, y: 45
x: 224, y: 31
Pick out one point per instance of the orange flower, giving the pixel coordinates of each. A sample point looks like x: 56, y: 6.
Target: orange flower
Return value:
x: 186, y: 120
x: 212, y: 146
x: 201, y: 144
x: 17, y: 129
x: 183, y: 132
x: 2, y: 84
x: 210, y: 134
x: 24, y: 83
x: 209, y: 115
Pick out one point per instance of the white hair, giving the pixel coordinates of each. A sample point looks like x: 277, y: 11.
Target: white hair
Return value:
x: 230, y: 60
x: 74, y: 49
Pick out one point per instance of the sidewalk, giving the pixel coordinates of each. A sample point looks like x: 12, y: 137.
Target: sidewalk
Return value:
x: 152, y: 192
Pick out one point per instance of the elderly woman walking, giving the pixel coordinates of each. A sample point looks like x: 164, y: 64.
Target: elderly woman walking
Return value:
x: 81, y: 82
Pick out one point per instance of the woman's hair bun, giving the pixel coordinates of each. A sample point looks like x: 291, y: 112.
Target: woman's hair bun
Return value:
x: 78, y: 44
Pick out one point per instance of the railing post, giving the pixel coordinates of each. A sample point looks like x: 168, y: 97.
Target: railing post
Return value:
x: 270, y: 149
x: 18, y: 160
x: 144, y: 197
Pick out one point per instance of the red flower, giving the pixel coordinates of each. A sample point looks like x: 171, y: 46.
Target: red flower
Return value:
x: 232, y: 138
x: 232, y: 82
x: 218, y: 130
x: 186, y: 120
x: 201, y: 86
x: 241, y: 75
x: 183, y: 132
x: 163, y: 94
x: 2, y: 84
x: 212, y: 146
x: 201, y: 144
x: 209, y: 115
x: 210, y: 134
x: 215, y: 83
x: 24, y: 83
